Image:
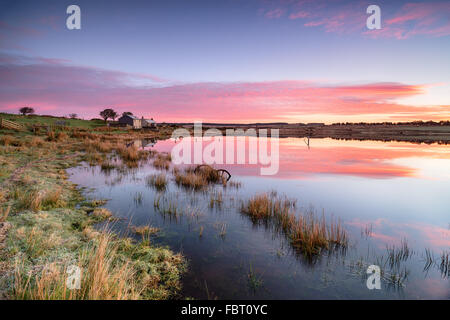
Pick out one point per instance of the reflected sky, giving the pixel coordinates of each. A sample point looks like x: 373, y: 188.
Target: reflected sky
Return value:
x: 397, y: 190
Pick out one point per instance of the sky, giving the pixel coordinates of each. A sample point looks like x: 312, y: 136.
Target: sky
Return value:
x: 228, y: 61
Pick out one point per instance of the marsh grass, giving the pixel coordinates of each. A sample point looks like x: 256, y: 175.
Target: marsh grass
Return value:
x: 398, y: 254
x: 221, y: 228
x: 48, y: 229
x: 444, y: 266
x: 103, y: 277
x: 162, y: 161
x: 190, y: 180
x: 36, y: 200
x: 4, y: 213
x: 146, y: 232
x: 158, y: 181
x: 167, y: 206
x: 307, y: 233
x: 138, y: 198
x: 254, y: 281
x: 107, y: 166
x: 216, y: 199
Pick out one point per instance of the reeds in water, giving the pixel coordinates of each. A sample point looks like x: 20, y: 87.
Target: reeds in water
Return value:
x: 307, y: 233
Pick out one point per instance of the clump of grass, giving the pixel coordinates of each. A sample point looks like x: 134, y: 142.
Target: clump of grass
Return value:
x: 222, y: 228
x: 209, y: 174
x: 159, y: 181
x: 190, y: 180
x: 107, y: 166
x: 36, y: 200
x: 103, y: 277
x: 234, y: 184
x: 398, y: 254
x: 31, y: 200
x: 130, y: 156
x: 143, y: 230
x: 254, y: 281
x: 167, y: 206
x: 138, y: 197
x: 7, y: 140
x: 56, y: 136
x: 306, y: 232
x: 162, y: 161
x: 216, y: 199
x: 36, y: 142
x: 4, y: 213
x: 444, y: 266
x: 101, y: 213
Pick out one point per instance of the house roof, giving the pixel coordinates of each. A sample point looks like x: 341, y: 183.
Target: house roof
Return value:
x: 130, y: 116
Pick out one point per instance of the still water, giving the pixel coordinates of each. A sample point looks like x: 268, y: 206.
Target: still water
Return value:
x: 385, y: 194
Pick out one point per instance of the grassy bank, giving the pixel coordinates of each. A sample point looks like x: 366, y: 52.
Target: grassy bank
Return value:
x: 46, y: 226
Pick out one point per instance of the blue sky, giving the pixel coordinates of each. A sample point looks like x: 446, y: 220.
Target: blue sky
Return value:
x: 232, y: 42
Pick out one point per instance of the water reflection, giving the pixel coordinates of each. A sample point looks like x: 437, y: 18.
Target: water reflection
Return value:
x: 384, y: 193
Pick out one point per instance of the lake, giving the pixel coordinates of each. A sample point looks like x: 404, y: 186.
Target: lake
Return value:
x: 386, y: 195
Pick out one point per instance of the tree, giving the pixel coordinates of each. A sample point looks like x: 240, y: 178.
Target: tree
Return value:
x: 114, y: 115
x: 73, y: 116
x: 108, y: 113
x: 26, y: 110
x: 127, y: 113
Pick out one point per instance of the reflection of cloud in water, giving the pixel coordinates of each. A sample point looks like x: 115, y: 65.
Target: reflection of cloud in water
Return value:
x: 391, y: 233
x: 367, y: 159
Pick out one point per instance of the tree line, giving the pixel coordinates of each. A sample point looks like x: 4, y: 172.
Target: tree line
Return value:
x: 105, y: 114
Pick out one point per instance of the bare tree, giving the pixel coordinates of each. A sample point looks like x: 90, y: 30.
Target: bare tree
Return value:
x: 73, y: 116
x: 26, y: 110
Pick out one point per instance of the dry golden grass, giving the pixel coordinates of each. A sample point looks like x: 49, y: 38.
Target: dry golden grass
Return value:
x: 190, y: 180
x: 102, y: 278
x: 36, y: 200
x: 56, y: 136
x: 162, y: 161
x: 307, y: 233
x: 145, y: 230
x: 102, y: 213
x: 159, y: 181
x: 4, y: 213
x: 36, y: 142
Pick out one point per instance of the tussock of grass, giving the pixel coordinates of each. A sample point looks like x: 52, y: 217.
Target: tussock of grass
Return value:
x: 216, y: 199
x: 143, y: 230
x: 190, y: 180
x: 36, y: 142
x: 101, y: 213
x: 36, y: 200
x: 398, y: 254
x: 4, y: 212
x: 162, y: 161
x: 56, y: 136
x: 307, y: 233
x: 159, y: 181
x: 108, y: 273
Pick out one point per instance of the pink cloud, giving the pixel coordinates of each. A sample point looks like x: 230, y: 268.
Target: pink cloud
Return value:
x: 274, y: 14
x: 52, y: 84
x: 298, y: 15
x: 427, y: 18
x: 342, y: 17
